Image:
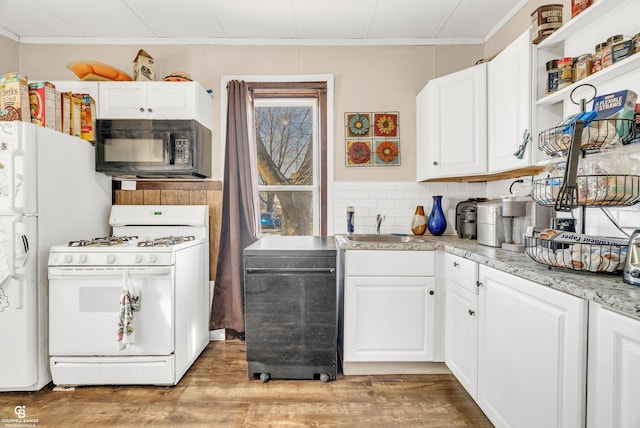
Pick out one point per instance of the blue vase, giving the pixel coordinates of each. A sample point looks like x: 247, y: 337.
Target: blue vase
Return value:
x: 437, y: 223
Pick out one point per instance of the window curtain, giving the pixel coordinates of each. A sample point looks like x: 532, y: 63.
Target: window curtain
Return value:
x: 240, y: 209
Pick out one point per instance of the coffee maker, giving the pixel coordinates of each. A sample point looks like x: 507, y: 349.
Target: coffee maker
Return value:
x: 511, y: 209
x: 466, y: 218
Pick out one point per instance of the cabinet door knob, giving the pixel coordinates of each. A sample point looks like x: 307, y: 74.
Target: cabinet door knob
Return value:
x: 141, y: 109
x: 150, y: 110
x: 456, y: 264
x: 435, y: 163
x: 478, y: 284
x: 431, y: 292
x: 472, y: 313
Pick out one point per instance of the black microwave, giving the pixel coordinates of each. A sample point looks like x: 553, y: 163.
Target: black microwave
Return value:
x: 153, y: 148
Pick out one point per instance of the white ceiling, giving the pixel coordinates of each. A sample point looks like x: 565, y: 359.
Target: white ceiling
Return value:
x: 265, y: 22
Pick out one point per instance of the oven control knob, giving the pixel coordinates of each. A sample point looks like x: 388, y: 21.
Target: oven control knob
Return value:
x: 82, y: 258
x: 67, y: 258
x: 152, y: 258
x: 137, y: 258
x: 110, y: 258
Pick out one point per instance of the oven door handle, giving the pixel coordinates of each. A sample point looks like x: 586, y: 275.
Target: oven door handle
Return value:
x: 59, y: 272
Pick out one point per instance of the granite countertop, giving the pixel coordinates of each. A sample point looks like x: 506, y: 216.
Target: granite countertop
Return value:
x: 606, y: 289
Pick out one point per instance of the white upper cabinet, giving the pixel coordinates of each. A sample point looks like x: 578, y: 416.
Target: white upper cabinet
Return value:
x: 155, y: 100
x: 452, y: 125
x: 509, y: 106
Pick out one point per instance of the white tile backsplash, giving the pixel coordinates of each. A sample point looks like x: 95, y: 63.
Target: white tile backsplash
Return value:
x: 397, y: 201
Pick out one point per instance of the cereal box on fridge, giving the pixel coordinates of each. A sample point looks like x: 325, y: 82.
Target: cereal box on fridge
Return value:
x: 65, y: 106
x: 14, y: 98
x: 42, y: 98
x: 75, y: 115
x: 87, y: 117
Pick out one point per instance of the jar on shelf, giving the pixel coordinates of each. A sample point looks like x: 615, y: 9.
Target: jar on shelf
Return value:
x: 596, y: 58
x: 607, y: 58
x: 621, y: 50
x: 552, y: 76
x: 577, y: 6
x: 635, y: 42
x: 583, y: 66
x: 565, y: 76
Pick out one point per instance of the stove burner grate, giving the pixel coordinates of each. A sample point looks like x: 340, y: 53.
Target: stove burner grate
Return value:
x: 105, y: 241
x: 165, y: 241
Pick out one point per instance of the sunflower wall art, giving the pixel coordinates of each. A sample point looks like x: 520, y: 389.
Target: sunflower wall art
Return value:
x: 372, y: 139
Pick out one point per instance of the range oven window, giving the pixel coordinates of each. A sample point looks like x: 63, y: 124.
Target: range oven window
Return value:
x: 134, y: 150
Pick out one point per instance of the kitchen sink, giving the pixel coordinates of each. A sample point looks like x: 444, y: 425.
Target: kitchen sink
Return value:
x: 384, y: 238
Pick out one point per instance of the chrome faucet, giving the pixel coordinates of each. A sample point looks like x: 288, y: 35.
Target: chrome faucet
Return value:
x: 379, y: 219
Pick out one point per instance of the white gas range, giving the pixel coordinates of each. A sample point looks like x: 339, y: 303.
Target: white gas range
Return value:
x: 132, y: 308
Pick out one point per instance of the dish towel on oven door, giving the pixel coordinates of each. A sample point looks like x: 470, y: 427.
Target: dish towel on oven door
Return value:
x: 129, y: 303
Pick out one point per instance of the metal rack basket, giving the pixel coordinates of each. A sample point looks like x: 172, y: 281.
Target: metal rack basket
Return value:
x: 598, y: 135
x: 600, y: 258
x: 593, y: 190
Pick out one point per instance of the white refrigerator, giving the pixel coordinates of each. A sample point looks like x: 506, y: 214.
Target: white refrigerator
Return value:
x: 49, y: 194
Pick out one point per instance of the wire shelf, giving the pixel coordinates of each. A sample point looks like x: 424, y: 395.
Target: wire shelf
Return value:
x: 593, y: 190
x: 596, y: 258
x: 600, y: 134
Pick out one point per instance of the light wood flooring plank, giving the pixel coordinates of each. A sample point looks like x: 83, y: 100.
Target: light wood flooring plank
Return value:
x: 216, y: 392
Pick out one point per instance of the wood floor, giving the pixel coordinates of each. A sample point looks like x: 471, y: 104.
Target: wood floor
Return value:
x: 216, y: 392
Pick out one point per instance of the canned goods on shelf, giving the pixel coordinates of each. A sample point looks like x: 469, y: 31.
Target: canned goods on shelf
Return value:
x: 583, y: 66
x: 552, y: 76
x: 565, y: 77
x: 596, y: 59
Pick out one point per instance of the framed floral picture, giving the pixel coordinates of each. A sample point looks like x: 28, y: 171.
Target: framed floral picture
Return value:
x: 372, y: 138
x: 358, y: 125
x: 359, y: 153
x: 385, y: 125
x: 387, y: 152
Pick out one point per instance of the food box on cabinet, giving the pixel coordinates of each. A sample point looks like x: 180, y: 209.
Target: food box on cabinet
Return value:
x: 143, y: 67
x: 14, y: 98
x: 42, y: 100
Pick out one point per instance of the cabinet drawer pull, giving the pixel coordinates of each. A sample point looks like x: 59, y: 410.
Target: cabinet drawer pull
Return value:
x: 472, y: 313
x: 435, y: 163
x: 456, y: 264
x: 431, y: 292
x: 141, y: 109
x: 150, y: 110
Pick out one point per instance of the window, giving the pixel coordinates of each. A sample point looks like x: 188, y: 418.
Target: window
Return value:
x: 291, y: 148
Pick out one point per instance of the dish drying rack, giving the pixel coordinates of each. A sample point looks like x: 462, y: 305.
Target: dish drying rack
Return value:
x: 577, y: 139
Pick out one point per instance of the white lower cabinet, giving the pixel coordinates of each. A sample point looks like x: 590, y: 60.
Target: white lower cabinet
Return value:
x: 461, y: 321
x: 391, y: 307
x: 614, y: 369
x: 531, y: 353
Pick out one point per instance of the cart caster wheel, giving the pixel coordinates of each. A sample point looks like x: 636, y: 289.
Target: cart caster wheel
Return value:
x: 324, y: 378
x: 264, y: 377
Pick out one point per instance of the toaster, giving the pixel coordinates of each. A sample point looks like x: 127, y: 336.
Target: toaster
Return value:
x: 466, y: 218
x: 631, y: 273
